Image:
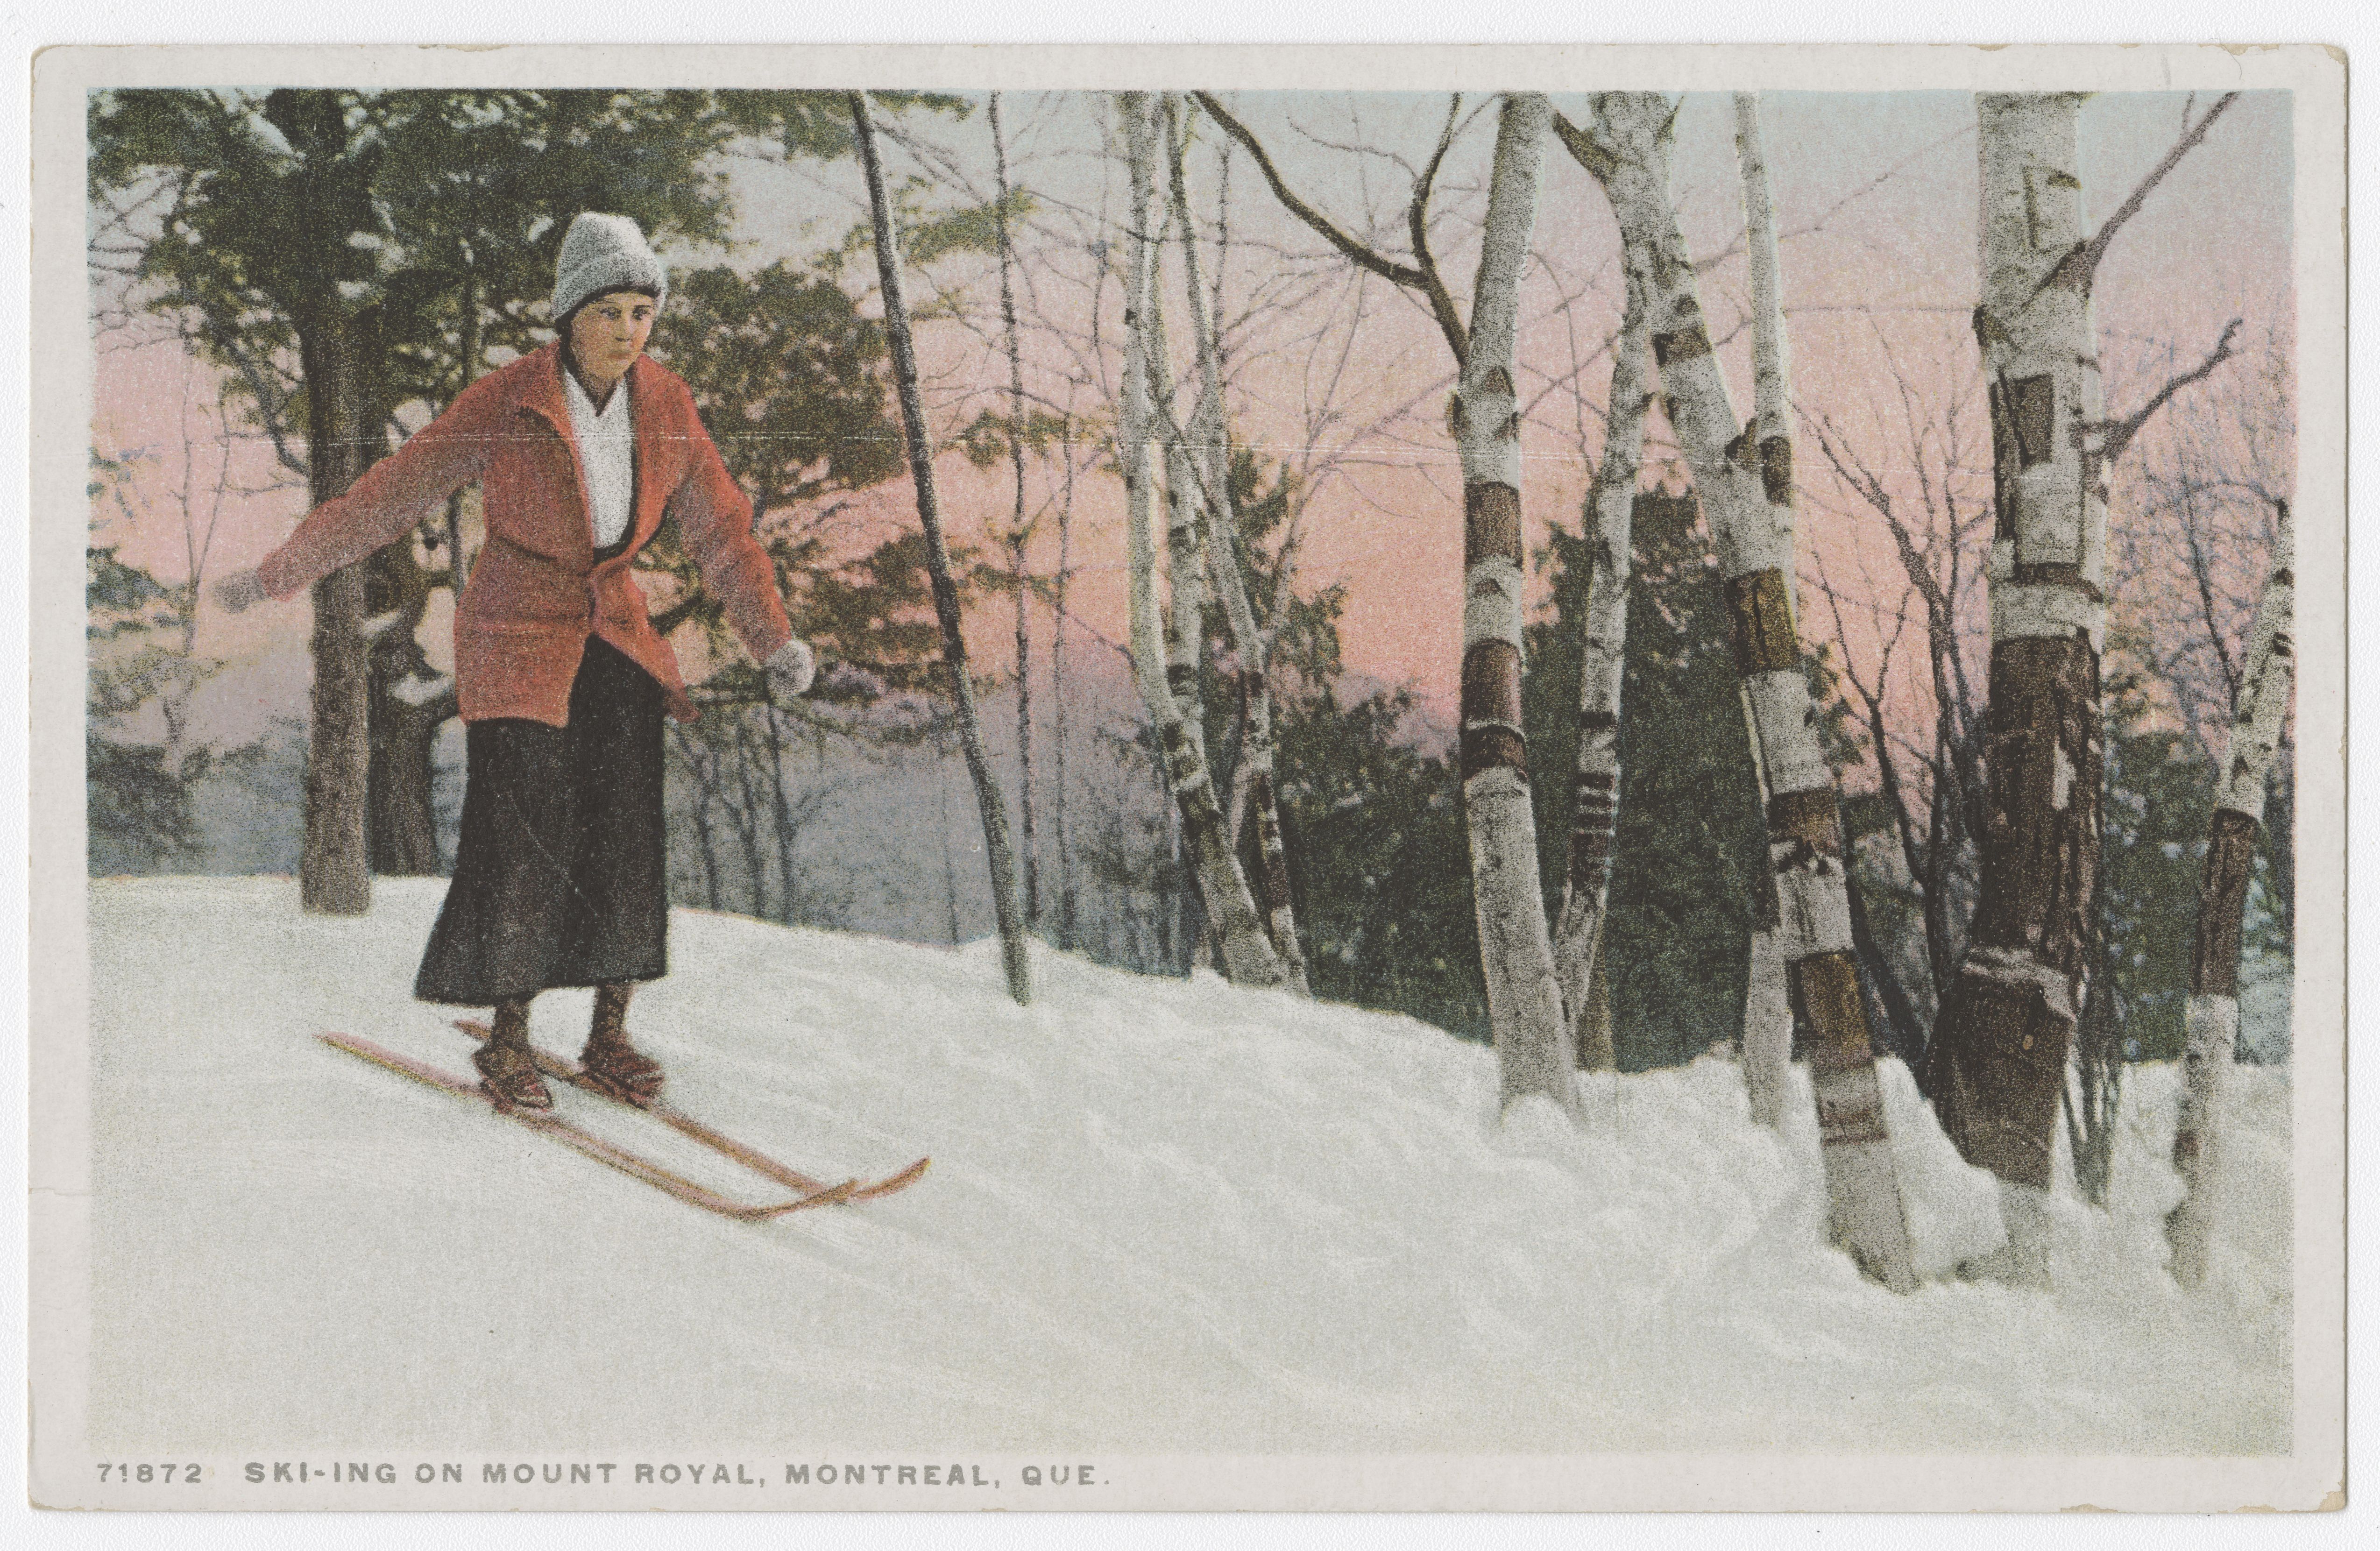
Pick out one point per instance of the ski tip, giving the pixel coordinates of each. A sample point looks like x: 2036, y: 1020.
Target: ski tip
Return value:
x: 891, y: 1183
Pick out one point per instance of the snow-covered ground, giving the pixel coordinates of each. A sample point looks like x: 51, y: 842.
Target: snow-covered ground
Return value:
x: 1161, y: 1217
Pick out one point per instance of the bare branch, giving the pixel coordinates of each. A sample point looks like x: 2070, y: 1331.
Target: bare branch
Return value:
x: 2077, y: 268
x: 1387, y: 269
x: 1585, y: 149
x: 1441, y: 303
x: 2119, y: 433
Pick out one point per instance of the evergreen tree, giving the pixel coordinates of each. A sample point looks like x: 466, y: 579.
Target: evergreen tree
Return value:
x: 343, y: 254
x: 2160, y: 786
x: 1379, y: 861
x: 1689, y: 850
x: 138, y: 794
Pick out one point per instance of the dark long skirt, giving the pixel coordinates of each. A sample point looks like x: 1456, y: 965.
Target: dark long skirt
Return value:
x: 560, y: 878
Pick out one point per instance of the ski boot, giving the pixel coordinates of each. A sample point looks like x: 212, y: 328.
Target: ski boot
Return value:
x: 609, y: 1061
x: 507, y: 1066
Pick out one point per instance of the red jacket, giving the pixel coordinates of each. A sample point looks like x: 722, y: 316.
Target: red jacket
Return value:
x: 536, y: 592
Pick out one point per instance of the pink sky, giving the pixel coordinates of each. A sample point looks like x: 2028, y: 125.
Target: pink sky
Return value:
x: 1887, y: 180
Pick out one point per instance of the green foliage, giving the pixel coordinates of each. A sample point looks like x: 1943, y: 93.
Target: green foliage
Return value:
x: 1372, y: 821
x: 985, y: 439
x: 789, y: 378
x: 288, y: 207
x: 1691, y: 839
x: 930, y: 235
x: 791, y: 386
x: 2160, y: 800
x: 926, y: 232
x: 138, y: 796
x: 876, y: 614
x: 1374, y: 831
x: 388, y: 208
x: 817, y: 125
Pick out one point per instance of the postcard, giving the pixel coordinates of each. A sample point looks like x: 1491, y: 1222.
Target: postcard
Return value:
x: 1059, y: 779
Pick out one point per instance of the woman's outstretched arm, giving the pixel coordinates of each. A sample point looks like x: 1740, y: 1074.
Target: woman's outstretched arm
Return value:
x: 392, y: 496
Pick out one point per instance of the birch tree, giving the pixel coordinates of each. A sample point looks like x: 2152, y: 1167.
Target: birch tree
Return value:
x: 1767, y: 998
x: 1594, y: 819
x: 1020, y: 528
x: 1626, y: 148
x: 2213, y: 1016
x: 993, y: 806
x: 1998, y: 1060
x: 1209, y: 443
x: 1534, y: 1048
x: 1061, y: 833
x: 1248, y: 956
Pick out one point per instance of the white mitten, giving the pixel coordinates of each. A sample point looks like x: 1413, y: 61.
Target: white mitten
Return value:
x: 790, y: 667
x: 240, y: 591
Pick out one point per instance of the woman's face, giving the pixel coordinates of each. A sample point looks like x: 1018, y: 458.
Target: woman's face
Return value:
x: 608, y: 334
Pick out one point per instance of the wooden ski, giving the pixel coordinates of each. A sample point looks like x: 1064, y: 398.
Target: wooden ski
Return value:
x: 592, y: 1146
x: 685, y: 1125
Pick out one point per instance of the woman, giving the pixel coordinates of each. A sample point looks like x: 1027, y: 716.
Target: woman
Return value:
x: 582, y: 449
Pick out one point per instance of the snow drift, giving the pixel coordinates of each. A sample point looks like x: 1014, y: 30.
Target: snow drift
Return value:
x: 1161, y: 1217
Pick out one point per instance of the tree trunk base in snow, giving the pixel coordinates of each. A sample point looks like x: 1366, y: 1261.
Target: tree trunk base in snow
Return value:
x: 2000, y: 1060
x: 1768, y: 1031
x: 1524, y: 1011
x: 2214, y: 1024
x: 2023, y: 1261
x: 1864, y: 1195
x: 1865, y: 1213
x: 1593, y: 1033
x: 2001, y: 1044
x: 402, y: 817
x: 333, y: 874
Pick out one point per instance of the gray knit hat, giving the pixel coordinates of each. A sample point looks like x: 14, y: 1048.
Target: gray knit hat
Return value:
x: 604, y: 253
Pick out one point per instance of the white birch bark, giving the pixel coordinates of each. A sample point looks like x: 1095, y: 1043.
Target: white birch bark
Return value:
x: 1771, y: 379
x: 1248, y: 957
x: 1185, y: 574
x: 2212, y: 1018
x: 1210, y: 444
x: 2268, y: 685
x: 2040, y: 352
x: 1134, y: 419
x: 1767, y: 1030
x: 1767, y: 998
x: 1525, y: 1003
x: 1578, y: 938
x: 1628, y: 150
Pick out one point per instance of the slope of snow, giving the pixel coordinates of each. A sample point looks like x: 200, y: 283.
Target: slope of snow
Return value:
x: 1162, y: 1216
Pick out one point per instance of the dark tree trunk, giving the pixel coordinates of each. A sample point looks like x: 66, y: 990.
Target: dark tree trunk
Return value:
x: 788, y: 828
x: 2281, y: 850
x: 994, y: 807
x: 1017, y: 531
x: 343, y: 434
x: 1067, y: 902
x: 2091, y: 1100
x: 1027, y: 840
x: 1904, y: 1031
x: 404, y: 731
x: 2001, y: 1053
